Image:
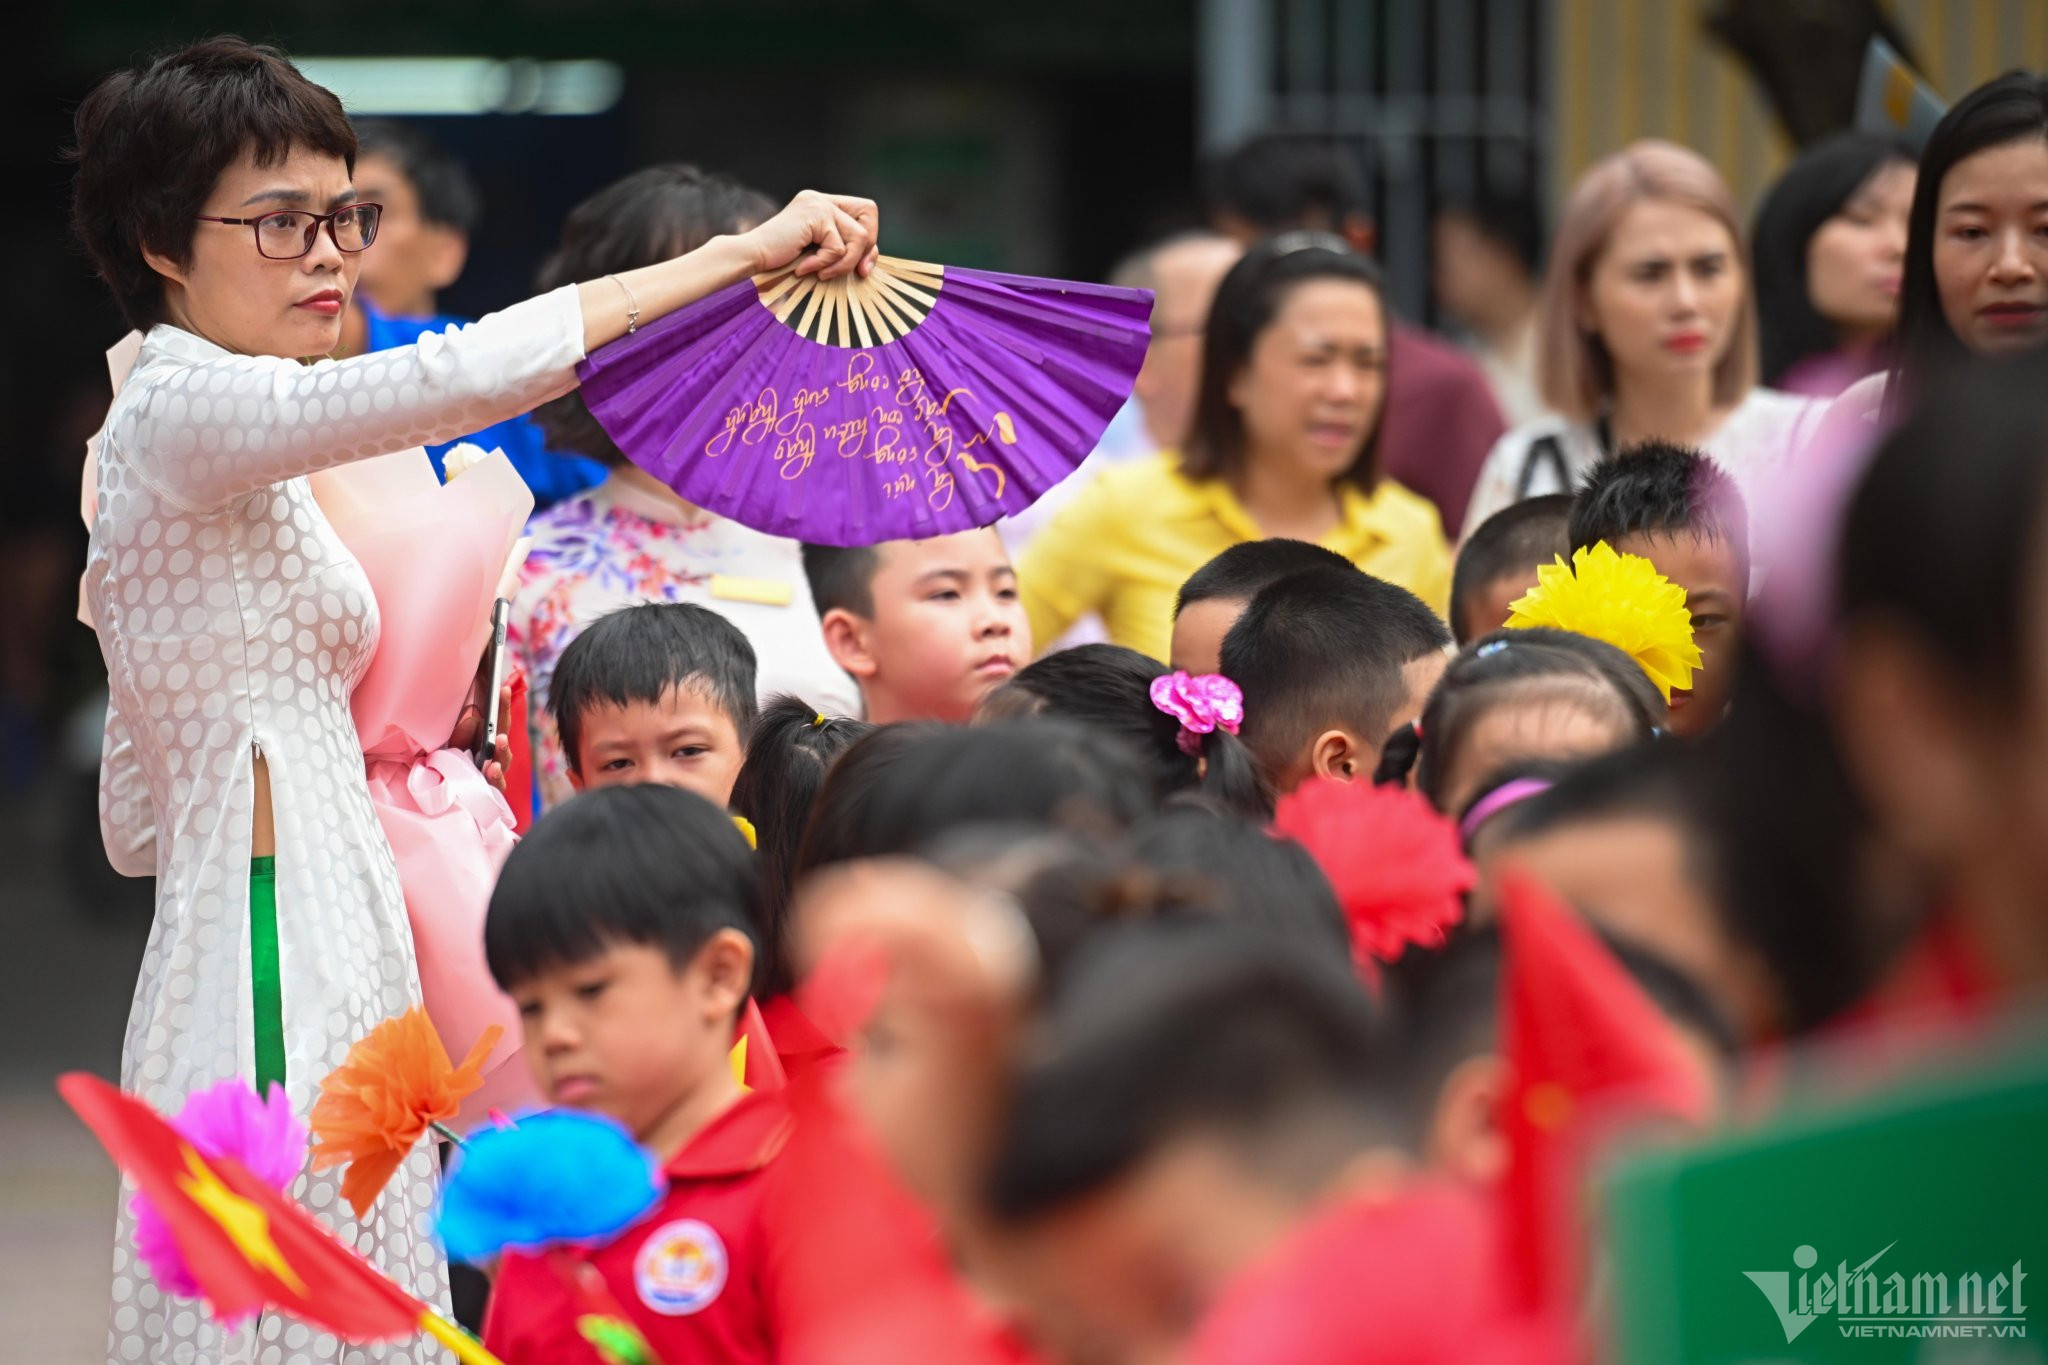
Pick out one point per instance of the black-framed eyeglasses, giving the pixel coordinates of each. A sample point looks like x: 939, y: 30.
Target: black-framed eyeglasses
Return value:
x: 288, y: 234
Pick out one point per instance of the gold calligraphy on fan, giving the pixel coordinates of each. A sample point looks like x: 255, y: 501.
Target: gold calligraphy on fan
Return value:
x: 908, y: 434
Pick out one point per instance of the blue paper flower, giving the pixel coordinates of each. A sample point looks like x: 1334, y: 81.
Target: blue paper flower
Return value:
x: 557, y: 1176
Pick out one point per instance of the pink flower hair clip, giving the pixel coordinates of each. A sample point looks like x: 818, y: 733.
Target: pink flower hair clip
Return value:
x: 1202, y: 704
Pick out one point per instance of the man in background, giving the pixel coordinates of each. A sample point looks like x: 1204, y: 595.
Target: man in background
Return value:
x: 431, y: 207
x: 1486, y: 254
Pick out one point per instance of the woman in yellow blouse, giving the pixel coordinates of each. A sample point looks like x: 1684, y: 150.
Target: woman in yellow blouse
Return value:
x: 1284, y: 443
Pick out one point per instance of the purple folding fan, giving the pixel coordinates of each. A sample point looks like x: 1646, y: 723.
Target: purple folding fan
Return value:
x: 919, y: 401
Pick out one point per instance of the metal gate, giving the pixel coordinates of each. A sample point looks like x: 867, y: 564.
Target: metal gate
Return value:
x: 1434, y: 98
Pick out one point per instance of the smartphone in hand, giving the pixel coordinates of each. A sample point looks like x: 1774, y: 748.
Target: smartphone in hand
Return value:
x: 493, y: 672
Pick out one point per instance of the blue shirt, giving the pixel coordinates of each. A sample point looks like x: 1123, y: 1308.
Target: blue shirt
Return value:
x: 551, y: 476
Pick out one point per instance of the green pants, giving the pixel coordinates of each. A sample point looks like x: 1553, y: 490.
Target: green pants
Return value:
x: 267, y: 995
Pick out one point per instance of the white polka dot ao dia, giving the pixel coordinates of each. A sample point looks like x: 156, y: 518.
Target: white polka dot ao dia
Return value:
x: 233, y: 622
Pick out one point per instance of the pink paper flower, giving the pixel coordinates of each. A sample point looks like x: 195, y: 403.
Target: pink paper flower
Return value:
x: 1202, y: 704
x: 223, y: 1120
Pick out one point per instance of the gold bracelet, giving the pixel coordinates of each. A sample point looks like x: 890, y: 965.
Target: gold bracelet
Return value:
x: 632, y: 305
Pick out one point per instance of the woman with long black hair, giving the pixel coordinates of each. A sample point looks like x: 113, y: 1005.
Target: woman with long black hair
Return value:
x: 1826, y: 254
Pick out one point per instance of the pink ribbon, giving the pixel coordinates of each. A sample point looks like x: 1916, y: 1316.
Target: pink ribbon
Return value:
x: 1202, y: 703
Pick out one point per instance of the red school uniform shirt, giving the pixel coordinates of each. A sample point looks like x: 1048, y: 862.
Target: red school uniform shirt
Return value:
x: 699, y: 1277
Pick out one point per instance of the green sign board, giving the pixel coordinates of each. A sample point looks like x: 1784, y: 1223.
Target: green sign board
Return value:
x: 1910, y: 1228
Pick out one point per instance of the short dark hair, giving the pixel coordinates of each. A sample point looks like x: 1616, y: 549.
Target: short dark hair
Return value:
x: 647, y: 217
x: 1661, y: 489
x: 1172, y: 1028
x: 1321, y: 648
x: 1518, y: 539
x: 646, y: 864
x: 1241, y: 571
x: 1247, y: 301
x: 1509, y: 220
x: 1277, y: 180
x: 903, y: 786
x: 448, y: 196
x: 152, y: 143
x: 637, y: 654
x: 793, y: 747
x: 1537, y: 663
x: 842, y: 578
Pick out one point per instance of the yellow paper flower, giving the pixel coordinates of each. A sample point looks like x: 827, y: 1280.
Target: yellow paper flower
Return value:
x: 1621, y: 599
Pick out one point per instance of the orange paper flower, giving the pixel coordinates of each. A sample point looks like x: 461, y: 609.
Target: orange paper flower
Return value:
x: 380, y: 1101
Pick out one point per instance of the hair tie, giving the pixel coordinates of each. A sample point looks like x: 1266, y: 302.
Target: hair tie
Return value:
x: 1499, y: 799
x: 820, y: 722
x: 1202, y: 704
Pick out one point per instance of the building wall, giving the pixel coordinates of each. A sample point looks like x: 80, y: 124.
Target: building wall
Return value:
x: 1624, y: 69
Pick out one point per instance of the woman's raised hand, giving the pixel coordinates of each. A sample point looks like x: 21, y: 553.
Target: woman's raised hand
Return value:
x: 832, y: 233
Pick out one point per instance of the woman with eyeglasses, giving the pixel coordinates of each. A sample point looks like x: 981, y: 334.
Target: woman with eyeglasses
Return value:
x: 1284, y: 442
x: 213, y: 193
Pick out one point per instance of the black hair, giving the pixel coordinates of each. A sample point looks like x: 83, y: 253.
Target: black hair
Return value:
x: 2012, y: 108
x: 448, y: 196
x: 1171, y: 1029
x: 1511, y: 665
x: 1247, y: 301
x: 904, y: 786
x: 1813, y: 190
x: 637, y: 654
x: 1239, y: 871
x: 645, y: 218
x: 1963, y: 478
x: 1278, y: 180
x: 842, y: 578
x: 1511, y: 221
x: 648, y: 865
x: 1518, y: 540
x: 1109, y: 688
x: 153, y: 141
x: 1325, y: 648
x: 1963, y: 481
x: 1656, y: 781
x: 1238, y: 574
x: 793, y: 747
x: 1445, y: 1004
x: 1660, y: 489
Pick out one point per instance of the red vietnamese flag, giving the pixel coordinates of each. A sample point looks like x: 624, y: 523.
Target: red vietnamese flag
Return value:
x: 248, y: 1246
x: 1587, y: 1053
x: 519, y: 757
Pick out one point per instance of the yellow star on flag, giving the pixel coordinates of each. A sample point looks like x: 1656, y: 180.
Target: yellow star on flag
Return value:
x: 246, y: 1225
x: 737, y: 1059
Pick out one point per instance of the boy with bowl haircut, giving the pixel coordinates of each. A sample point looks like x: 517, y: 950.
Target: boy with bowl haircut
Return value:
x: 662, y: 692
x: 621, y: 928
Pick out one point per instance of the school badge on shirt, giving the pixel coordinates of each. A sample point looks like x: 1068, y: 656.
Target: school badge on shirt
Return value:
x: 681, y: 1268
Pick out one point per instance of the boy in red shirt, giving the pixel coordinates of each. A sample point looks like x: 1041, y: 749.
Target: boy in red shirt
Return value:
x: 622, y: 929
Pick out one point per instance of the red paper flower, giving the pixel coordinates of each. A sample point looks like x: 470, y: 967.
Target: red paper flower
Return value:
x: 1395, y: 863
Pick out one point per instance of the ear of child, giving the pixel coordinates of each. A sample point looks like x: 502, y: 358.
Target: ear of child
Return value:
x: 849, y: 639
x: 1464, y: 1139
